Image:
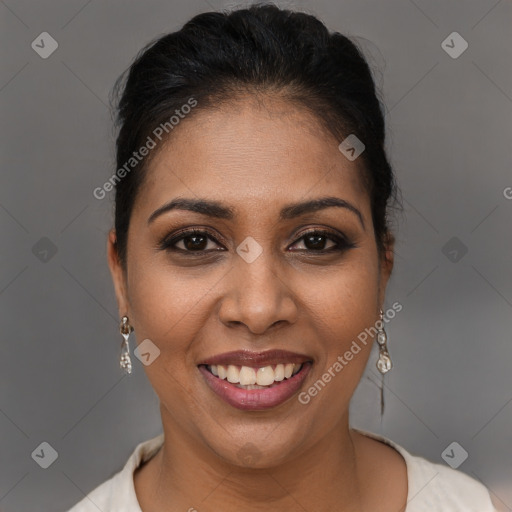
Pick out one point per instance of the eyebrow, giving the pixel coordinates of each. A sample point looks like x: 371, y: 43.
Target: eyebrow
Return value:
x: 220, y: 211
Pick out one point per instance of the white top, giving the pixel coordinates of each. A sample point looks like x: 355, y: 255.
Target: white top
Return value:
x: 432, y: 487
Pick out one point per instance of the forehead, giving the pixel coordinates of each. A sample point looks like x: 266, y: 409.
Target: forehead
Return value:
x: 252, y: 155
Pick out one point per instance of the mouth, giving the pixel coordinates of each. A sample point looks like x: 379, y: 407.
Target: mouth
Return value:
x: 246, y: 377
x: 256, y: 381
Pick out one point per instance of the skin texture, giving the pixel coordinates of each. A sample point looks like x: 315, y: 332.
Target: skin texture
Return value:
x: 256, y: 157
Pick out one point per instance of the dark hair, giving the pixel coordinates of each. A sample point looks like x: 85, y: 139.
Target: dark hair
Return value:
x: 218, y: 56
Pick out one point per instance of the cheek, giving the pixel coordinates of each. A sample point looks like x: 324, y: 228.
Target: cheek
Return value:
x: 165, y: 312
x: 169, y: 307
x: 340, y: 316
x: 346, y: 298
x: 340, y: 312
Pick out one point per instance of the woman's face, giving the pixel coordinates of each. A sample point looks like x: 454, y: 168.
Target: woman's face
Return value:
x: 255, y: 281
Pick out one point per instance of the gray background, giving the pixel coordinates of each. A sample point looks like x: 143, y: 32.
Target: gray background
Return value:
x: 449, y: 140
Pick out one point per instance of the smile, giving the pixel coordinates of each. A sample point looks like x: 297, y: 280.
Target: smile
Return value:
x: 246, y: 377
x: 255, y: 381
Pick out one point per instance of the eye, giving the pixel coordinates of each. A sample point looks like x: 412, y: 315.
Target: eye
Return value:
x: 315, y: 241
x: 194, y: 240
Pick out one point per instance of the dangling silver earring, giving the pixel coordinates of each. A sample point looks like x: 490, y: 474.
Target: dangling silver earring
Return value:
x: 125, y: 329
x: 384, y: 363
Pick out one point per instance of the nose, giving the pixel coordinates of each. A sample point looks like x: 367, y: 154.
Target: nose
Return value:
x: 258, y: 296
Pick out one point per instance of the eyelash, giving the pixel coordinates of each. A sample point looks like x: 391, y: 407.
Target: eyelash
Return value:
x: 168, y: 243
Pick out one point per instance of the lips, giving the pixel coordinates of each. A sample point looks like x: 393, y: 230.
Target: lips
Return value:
x: 254, y: 396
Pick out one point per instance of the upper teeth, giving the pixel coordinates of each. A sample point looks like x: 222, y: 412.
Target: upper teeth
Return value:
x: 245, y: 375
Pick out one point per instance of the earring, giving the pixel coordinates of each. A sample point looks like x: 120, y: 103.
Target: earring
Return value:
x: 125, y: 329
x: 384, y: 363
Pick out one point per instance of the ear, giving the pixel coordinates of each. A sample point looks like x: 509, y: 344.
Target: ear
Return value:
x: 118, y: 274
x: 386, y: 265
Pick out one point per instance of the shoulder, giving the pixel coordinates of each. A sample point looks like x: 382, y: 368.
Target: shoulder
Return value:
x: 98, y: 499
x: 438, y: 488
x: 118, y: 493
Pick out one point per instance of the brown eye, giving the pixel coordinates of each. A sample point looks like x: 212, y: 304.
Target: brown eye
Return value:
x: 315, y: 241
x: 195, y: 242
x: 191, y: 241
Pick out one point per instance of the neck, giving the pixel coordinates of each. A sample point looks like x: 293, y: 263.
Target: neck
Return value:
x: 188, y: 475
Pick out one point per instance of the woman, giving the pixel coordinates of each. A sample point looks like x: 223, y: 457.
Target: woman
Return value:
x: 251, y: 249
